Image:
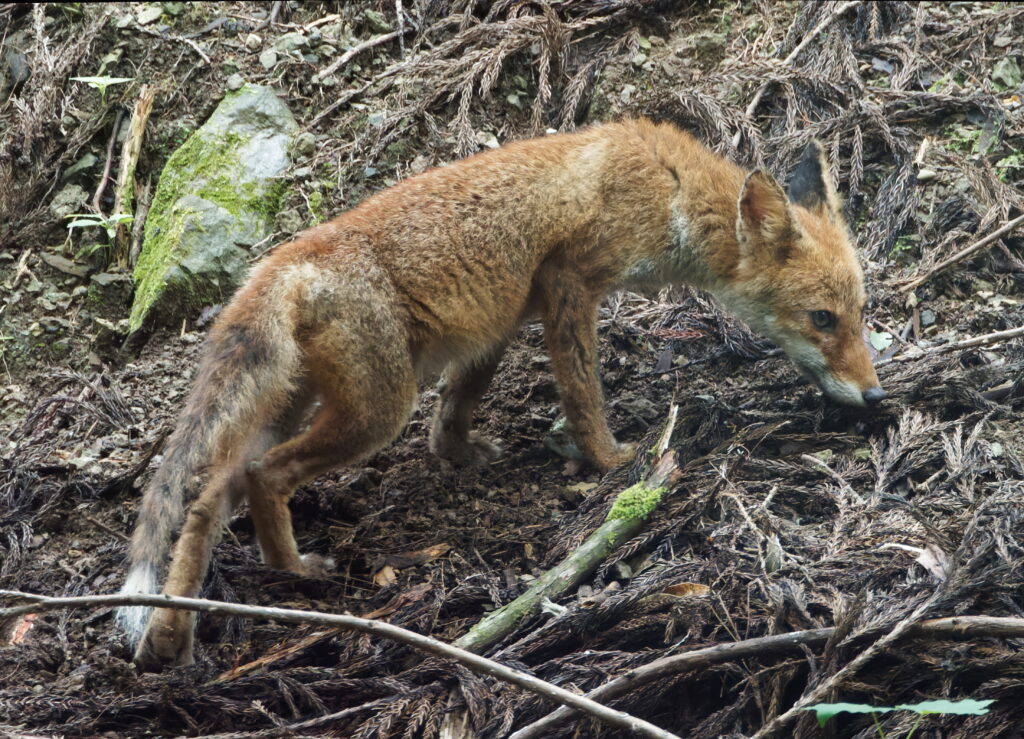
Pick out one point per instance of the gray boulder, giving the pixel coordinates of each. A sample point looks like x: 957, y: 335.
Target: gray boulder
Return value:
x: 217, y: 196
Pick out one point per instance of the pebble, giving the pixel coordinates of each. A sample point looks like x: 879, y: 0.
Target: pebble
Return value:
x: 253, y: 42
x: 926, y: 175
x: 305, y: 144
x: 235, y: 81
x: 268, y: 59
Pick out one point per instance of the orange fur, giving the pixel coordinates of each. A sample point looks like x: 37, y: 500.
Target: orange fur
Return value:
x: 437, y: 273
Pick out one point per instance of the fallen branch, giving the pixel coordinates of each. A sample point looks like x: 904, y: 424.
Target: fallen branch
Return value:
x: 984, y: 340
x: 124, y: 190
x: 957, y: 627
x: 626, y: 519
x: 822, y: 25
x: 42, y: 603
x: 964, y: 253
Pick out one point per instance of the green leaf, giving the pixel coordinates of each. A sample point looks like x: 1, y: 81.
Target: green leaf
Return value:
x: 83, y: 223
x: 880, y: 340
x: 102, y: 81
x: 966, y: 707
x: 825, y: 711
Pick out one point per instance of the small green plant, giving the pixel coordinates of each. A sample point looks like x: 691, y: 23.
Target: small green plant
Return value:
x: 97, y: 220
x: 102, y: 83
x: 966, y: 707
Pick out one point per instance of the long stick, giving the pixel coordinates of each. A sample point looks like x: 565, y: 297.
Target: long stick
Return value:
x: 822, y: 24
x: 957, y: 627
x: 966, y: 252
x: 42, y: 603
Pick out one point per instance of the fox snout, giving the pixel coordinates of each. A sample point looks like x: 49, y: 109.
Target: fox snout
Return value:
x: 846, y: 376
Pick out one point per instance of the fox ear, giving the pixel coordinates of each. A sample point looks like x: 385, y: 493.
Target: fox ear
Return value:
x: 764, y: 226
x: 810, y: 184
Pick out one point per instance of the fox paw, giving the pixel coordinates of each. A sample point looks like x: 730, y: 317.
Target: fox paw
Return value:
x: 315, y: 565
x: 167, y: 641
x: 474, y: 451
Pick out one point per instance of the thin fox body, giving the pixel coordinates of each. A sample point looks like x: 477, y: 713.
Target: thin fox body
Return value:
x: 436, y: 274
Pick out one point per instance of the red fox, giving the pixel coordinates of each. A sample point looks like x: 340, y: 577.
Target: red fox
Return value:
x: 437, y: 273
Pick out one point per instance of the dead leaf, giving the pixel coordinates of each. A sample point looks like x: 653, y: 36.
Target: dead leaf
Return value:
x: 687, y: 589
x: 404, y: 560
x: 20, y: 629
x: 935, y: 561
x: 385, y: 576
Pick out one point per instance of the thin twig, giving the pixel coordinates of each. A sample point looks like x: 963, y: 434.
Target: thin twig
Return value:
x: 984, y: 340
x: 276, y: 731
x: 172, y: 37
x: 957, y: 627
x: 359, y: 49
x: 42, y: 603
x: 824, y: 23
x: 966, y: 252
x: 105, y: 177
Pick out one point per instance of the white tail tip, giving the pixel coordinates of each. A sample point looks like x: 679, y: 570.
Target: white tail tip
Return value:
x: 133, y: 619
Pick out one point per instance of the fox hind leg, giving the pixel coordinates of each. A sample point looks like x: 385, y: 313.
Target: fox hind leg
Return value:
x: 366, y: 397
x: 451, y: 436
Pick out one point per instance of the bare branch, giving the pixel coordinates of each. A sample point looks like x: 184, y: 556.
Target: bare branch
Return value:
x: 966, y: 252
x: 958, y: 627
x: 42, y: 603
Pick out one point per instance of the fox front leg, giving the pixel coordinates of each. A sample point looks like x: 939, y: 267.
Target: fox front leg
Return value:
x: 570, y: 332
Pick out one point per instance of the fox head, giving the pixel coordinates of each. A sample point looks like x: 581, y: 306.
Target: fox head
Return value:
x: 798, y: 280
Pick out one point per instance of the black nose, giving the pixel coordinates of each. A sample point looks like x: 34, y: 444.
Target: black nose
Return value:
x: 874, y: 395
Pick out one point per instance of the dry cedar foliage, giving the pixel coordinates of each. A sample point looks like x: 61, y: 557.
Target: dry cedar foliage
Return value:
x: 783, y: 542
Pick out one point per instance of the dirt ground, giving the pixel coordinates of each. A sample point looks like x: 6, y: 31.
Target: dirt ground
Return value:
x: 792, y: 513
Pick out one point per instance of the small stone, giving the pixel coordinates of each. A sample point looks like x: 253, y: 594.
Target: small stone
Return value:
x: 375, y: 119
x: 927, y: 317
x: 235, y: 82
x: 302, y: 173
x: 627, y: 93
x: 268, y: 59
x: 290, y: 221
x: 926, y: 175
x: 377, y: 21
x: 1002, y: 41
x: 487, y: 139
x: 639, y: 59
x: 292, y: 41
x: 86, y: 162
x: 68, y: 200
x: 149, y: 14
x: 174, y: 8
x: 253, y: 41
x: 305, y: 144
x: 1007, y: 72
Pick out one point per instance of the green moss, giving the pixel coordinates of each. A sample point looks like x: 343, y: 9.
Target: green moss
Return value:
x: 636, y: 502
x: 198, y: 167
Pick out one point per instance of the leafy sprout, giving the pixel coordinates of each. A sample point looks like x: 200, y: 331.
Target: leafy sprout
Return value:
x: 98, y: 220
x: 102, y: 83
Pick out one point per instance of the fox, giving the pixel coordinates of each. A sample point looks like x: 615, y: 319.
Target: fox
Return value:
x: 432, y: 277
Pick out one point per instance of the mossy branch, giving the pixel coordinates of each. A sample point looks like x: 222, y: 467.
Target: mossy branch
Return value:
x: 627, y: 517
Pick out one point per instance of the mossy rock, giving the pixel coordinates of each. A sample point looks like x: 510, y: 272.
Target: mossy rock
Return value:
x: 217, y: 197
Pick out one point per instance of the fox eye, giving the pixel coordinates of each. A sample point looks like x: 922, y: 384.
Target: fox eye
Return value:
x: 823, y: 319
